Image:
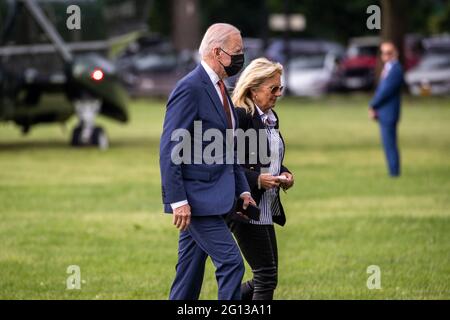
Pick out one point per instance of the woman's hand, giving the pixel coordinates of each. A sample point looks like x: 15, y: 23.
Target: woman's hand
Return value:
x: 289, y: 182
x: 267, y: 181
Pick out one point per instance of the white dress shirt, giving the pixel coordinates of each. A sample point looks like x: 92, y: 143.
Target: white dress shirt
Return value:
x: 266, y: 116
x: 214, y: 79
x: 387, y: 67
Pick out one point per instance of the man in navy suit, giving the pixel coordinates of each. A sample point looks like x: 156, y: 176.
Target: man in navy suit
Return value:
x: 385, y: 105
x: 198, y: 194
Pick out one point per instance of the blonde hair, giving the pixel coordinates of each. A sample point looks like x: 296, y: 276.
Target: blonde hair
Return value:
x: 215, y: 37
x: 258, y: 71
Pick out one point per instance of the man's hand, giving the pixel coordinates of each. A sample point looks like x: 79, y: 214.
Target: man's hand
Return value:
x: 373, y: 114
x: 247, y: 200
x: 182, y: 217
x: 289, y: 182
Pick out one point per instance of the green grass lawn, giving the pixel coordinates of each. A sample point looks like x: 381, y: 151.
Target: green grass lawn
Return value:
x: 101, y: 210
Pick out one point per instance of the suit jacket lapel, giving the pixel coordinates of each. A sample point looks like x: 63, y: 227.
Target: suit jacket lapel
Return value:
x: 258, y: 125
x: 211, y: 90
x: 257, y: 122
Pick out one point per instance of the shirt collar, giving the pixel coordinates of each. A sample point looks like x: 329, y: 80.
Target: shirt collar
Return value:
x: 389, y: 64
x: 211, y: 74
x: 269, y: 115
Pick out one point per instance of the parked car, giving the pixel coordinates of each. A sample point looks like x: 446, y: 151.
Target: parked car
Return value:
x: 432, y: 74
x: 313, y: 74
x: 152, y: 67
x: 311, y: 69
x: 279, y: 49
x: 357, y: 69
x: 413, y: 50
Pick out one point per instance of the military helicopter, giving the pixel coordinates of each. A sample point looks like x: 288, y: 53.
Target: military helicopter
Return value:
x: 56, y: 48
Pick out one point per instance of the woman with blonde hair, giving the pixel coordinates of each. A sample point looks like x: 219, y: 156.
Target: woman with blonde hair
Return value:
x: 255, y: 96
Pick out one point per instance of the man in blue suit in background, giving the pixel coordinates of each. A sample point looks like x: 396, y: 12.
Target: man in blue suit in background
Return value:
x: 199, y: 194
x: 385, y: 105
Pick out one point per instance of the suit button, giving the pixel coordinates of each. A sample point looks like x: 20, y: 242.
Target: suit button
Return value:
x: 252, y: 168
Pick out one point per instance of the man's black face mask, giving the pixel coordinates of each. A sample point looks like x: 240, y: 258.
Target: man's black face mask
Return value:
x: 237, y: 62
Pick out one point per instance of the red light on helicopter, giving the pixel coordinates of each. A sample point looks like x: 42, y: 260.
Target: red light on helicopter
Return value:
x: 97, y: 75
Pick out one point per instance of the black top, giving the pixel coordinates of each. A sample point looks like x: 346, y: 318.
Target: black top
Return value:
x: 252, y: 171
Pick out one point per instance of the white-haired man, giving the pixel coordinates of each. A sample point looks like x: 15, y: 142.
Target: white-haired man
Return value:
x: 200, y: 195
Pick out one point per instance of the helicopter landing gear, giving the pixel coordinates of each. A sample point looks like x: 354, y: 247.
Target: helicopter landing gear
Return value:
x: 86, y: 133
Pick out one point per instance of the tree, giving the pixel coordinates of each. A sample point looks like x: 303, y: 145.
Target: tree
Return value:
x: 185, y: 24
x: 394, y: 22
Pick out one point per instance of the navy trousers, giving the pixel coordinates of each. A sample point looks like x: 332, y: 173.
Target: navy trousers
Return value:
x: 390, y: 145
x: 207, y: 236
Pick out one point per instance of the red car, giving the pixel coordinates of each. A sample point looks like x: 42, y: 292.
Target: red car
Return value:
x: 357, y: 69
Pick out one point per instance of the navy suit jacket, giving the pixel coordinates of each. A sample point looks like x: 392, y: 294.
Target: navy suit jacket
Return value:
x: 211, y: 189
x: 387, y: 98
